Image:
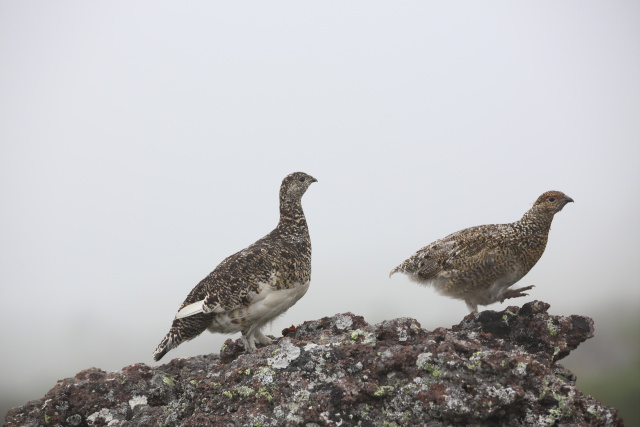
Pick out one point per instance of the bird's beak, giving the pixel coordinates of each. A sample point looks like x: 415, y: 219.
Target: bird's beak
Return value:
x: 315, y: 180
x: 566, y: 201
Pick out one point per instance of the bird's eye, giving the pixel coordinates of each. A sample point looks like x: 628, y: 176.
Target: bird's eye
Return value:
x: 301, y: 179
x: 552, y: 199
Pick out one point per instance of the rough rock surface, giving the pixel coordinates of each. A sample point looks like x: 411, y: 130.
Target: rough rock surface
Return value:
x: 494, y: 368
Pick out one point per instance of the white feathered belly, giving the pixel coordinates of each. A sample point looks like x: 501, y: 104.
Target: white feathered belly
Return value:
x: 265, y: 306
x: 482, y: 296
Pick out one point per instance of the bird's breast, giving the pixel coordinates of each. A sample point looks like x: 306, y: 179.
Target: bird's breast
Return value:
x: 272, y: 302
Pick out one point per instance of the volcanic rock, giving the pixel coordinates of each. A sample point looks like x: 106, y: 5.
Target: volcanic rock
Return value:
x: 492, y: 369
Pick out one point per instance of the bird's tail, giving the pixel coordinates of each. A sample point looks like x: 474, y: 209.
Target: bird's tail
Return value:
x: 167, y: 343
x: 182, y: 330
x: 395, y: 270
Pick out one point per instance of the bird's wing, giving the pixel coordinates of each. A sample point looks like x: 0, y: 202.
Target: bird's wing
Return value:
x: 190, y: 309
x: 471, y: 241
x: 237, y: 281
x: 442, y: 254
x: 426, y: 262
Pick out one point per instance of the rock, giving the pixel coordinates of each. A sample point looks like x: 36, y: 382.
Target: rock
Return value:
x: 492, y: 369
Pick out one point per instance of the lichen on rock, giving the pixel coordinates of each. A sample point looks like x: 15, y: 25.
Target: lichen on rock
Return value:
x: 494, y: 368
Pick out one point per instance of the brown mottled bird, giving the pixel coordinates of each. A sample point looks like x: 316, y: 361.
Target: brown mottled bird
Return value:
x: 253, y: 286
x: 479, y: 264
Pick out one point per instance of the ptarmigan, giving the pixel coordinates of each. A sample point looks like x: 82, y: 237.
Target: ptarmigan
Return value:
x: 254, y: 286
x: 479, y: 264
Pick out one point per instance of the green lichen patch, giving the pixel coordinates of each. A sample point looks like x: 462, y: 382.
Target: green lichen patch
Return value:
x: 265, y: 375
x: 435, y: 372
x: 244, y: 391
x: 553, y: 329
x: 263, y: 393
x: 475, y: 361
x: 240, y: 391
x: 385, y: 390
x: 360, y: 336
x: 428, y: 362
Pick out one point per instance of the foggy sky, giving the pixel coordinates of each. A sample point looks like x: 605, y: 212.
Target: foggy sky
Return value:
x: 143, y: 142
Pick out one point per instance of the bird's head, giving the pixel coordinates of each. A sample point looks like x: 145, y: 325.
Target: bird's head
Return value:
x: 295, y: 185
x: 552, y: 201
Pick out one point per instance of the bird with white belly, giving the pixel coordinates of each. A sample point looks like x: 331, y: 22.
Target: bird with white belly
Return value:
x: 254, y: 286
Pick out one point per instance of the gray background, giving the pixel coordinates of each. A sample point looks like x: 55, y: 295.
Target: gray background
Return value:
x: 143, y: 142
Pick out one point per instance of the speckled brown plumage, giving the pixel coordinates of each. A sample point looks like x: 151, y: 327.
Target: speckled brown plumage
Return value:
x: 255, y: 285
x: 479, y: 264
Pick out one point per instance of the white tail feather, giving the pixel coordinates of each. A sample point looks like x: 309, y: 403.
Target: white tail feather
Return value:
x: 190, y: 310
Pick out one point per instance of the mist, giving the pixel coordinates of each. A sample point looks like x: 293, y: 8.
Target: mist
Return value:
x: 142, y: 143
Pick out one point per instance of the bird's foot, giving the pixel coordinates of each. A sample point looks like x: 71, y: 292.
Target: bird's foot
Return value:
x: 515, y: 293
x: 263, y: 339
x: 249, y: 341
x: 248, y: 344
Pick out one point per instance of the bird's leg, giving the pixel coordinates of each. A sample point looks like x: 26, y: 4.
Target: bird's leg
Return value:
x: 249, y: 342
x: 473, y: 308
x: 515, y: 293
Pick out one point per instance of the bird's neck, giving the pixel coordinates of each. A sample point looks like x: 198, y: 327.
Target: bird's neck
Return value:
x: 292, y: 216
x: 536, y: 221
